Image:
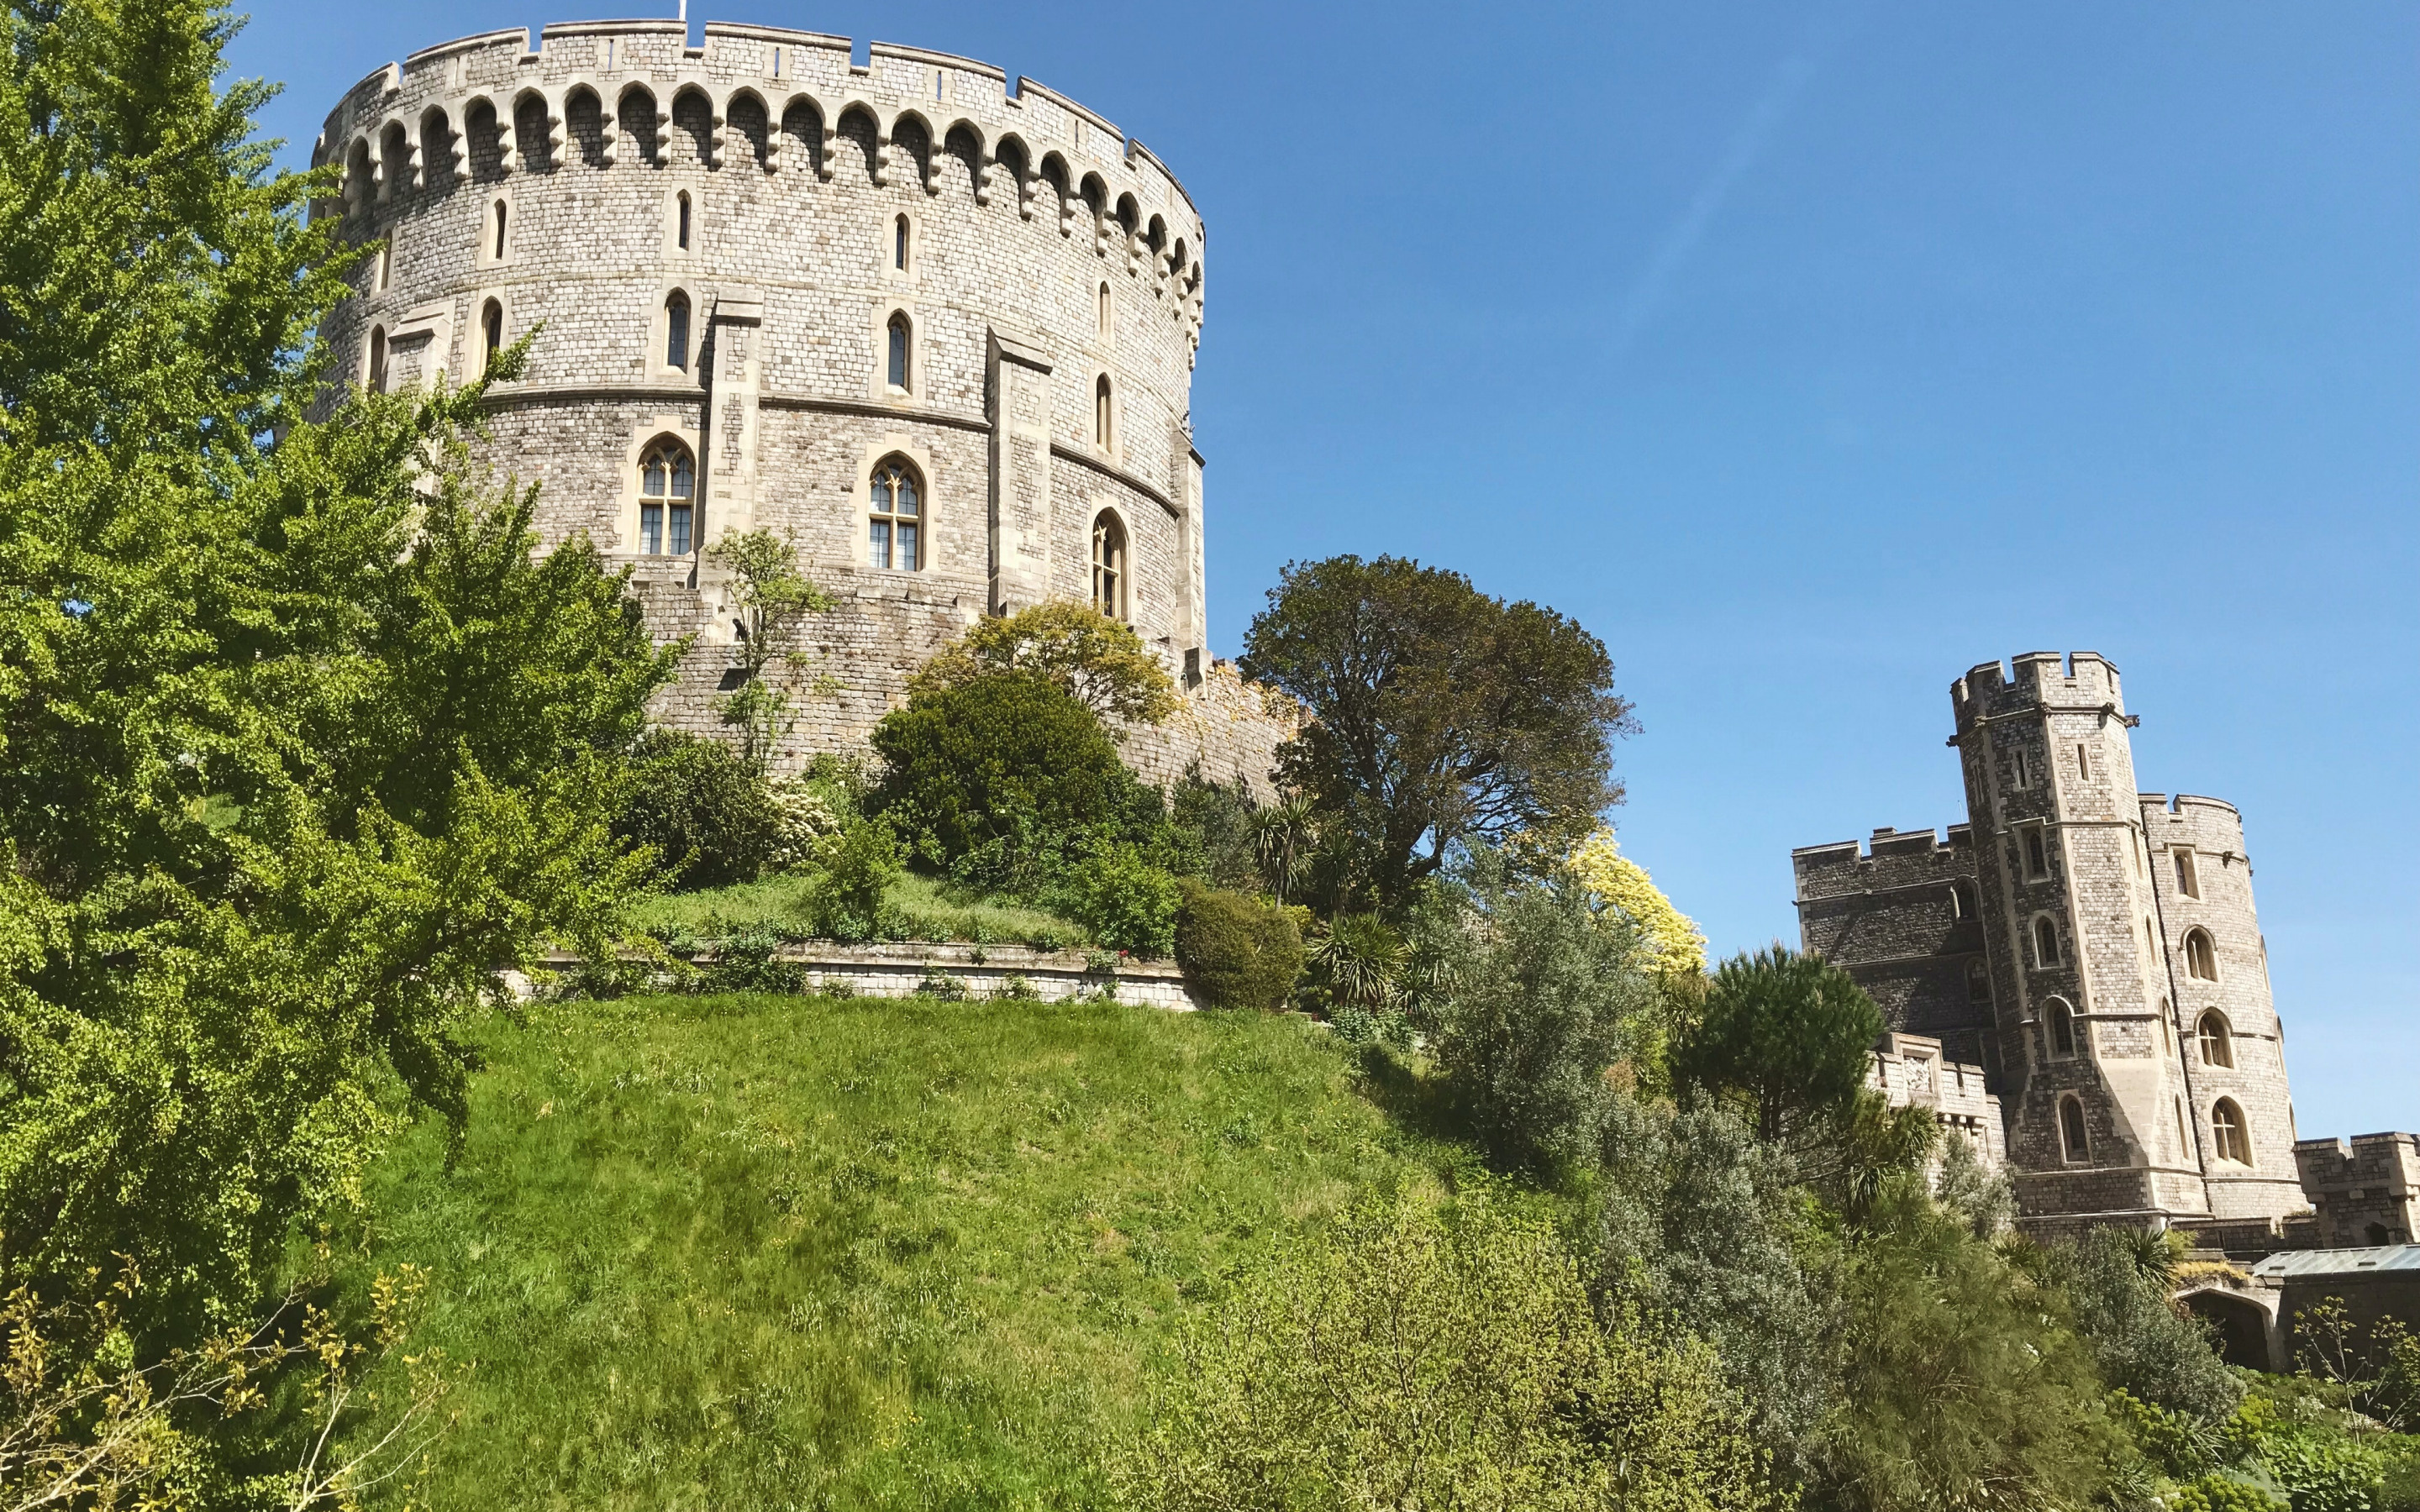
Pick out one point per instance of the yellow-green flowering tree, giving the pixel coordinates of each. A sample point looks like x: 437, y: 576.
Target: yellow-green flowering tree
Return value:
x: 1669, y: 942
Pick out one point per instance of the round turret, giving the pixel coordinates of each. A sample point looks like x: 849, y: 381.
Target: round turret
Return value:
x: 938, y: 333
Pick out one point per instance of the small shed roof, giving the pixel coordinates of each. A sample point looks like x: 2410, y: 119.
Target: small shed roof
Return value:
x: 2296, y: 1262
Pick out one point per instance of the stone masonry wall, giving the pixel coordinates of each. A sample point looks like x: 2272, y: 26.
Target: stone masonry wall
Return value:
x: 1900, y: 918
x: 2209, y: 833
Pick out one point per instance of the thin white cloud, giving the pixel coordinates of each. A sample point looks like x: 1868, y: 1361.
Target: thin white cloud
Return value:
x: 1639, y: 305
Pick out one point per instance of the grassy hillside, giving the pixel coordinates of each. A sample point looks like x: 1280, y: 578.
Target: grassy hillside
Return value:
x: 920, y: 908
x: 767, y: 1252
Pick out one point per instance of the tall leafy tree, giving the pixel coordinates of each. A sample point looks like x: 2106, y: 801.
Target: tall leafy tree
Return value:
x: 303, y: 745
x: 1438, y: 714
x: 1789, y: 1035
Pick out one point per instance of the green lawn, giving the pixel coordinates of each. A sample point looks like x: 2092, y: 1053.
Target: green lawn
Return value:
x: 922, y: 906
x: 771, y: 1252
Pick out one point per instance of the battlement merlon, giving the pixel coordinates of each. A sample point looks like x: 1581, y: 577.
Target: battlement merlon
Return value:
x: 2076, y: 682
x: 1890, y: 860
x: 736, y: 57
x: 2213, y: 826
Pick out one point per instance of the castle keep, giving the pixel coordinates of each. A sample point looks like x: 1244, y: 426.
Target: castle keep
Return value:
x: 2092, y: 948
x: 937, y: 330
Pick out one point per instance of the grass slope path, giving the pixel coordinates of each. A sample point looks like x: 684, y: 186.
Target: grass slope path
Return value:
x: 780, y: 1252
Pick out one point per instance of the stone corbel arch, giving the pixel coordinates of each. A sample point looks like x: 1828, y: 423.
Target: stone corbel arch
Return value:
x: 409, y: 131
x: 508, y: 157
x: 776, y: 155
x: 550, y: 103
x: 723, y: 117
x: 931, y: 167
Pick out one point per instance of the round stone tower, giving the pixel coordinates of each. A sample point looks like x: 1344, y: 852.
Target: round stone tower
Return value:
x: 938, y: 332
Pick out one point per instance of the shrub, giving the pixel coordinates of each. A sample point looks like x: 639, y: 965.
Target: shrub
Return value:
x: 845, y: 901
x: 1127, y: 905
x: 1010, y: 771
x: 2222, y: 1492
x: 2142, y: 1344
x: 709, y: 818
x: 1963, y: 1386
x: 1548, y: 1003
x: 745, y: 963
x: 1235, y: 951
x: 1409, y: 1361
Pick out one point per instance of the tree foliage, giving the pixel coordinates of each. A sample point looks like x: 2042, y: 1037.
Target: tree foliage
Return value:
x: 303, y: 745
x: 1007, y: 769
x: 1416, y: 1363
x: 697, y: 804
x: 775, y: 599
x: 1791, y: 1034
x: 1437, y: 715
x: 2142, y: 1344
x: 1097, y: 661
x: 1669, y: 942
x: 1965, y: 1388
x: 1547, y: 1000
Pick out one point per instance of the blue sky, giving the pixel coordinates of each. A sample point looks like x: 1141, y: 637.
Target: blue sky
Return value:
x: 1810, y: 354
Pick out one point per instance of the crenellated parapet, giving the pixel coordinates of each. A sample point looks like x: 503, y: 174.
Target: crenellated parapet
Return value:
x: 772, y: 101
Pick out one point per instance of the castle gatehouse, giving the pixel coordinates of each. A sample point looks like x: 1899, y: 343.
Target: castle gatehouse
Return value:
x: 2094, y: 949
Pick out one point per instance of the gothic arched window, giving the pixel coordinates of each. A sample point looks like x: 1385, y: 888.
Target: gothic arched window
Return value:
x: 374, y: 380
x: 1101, y: 410
x: 2046, y: 941
x: 900, y: 336
x: 2228, y: 1136
x: 897, y: 505
x: 2062, y: 1027
x: 681, y: 232
x: 676, y: 331
x: 1110, y: 566
x: 899, y: 240
x: 2217, y: 1043
x: 2074, y: 1140
x: 2201, y: 956
x: 667, y: 494
x: 498, y: 245
x: 492, y: 325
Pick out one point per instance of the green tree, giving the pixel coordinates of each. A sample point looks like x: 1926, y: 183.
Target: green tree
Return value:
x: 304, y: 746
x: 1439, y: 716
x: 1010, y: 770
x: 1547, y: 1001
x: 1416, y: 1363
x: 774, y: 599
x: 1097, y: 661
x: 1965, y: 1385
x: 1790, y: 1035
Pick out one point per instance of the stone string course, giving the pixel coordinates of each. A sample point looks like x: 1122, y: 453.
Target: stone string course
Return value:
x: 1942, y: 931
x: 1047, y: 252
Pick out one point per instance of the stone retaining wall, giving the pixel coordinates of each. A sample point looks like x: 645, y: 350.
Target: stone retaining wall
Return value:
x: 903, y: 968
